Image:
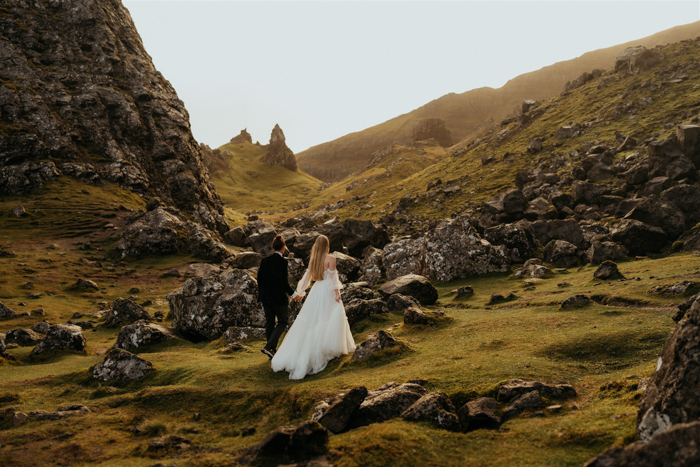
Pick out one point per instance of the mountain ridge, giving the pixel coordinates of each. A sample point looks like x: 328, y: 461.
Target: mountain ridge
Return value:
x: 465, y: 113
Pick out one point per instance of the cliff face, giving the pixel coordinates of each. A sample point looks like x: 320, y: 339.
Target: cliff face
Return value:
x: 80, y: 96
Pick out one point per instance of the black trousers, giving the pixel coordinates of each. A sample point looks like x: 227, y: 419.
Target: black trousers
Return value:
x: 274, y: 331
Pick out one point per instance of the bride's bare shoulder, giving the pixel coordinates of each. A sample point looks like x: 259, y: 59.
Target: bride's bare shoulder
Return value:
x: 330, y: 262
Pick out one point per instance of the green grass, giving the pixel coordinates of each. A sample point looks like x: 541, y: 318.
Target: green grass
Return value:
x: 466, y: 356
x: 252, y: 185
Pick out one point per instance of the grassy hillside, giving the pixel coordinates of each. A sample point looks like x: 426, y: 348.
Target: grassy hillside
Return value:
x: 467, y: 112
x: 249, y: 185
x: 602, y: 350
x: 609, y: 104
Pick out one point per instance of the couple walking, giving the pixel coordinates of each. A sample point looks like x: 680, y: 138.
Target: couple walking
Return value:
x: 321, y: 331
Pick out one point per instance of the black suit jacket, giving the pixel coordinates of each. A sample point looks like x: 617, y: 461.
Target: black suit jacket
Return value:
x: 273, y: 285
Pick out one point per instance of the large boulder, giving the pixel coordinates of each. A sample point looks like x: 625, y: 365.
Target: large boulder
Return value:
x: 359, y: 309
x: 687, y: 199
x: 260, y: 236
x: 412, y: 285
x: 545, y: 231
x: 244, y: 260
x: 689, y: 241
x: 203, y: 308
x: 23, y: 337
x: 671, y: 395
x: 405, y: 256
x: 398, y: 302
x: 61, y: 337
x: 678, y: 447
x: 387, y: 402
x: 348, y: 267
x: 639, y: 238
x: 518, y: 387
x: 666, y: 216
x: 435, y: 408
x: 6, y: 313
x: 360, y: 234
x: 337, y: 416
x: 160, y: 232
x: 454, y: 250
x: 604, y: 251
x: 143, y: 333
x: 516, y: 237
x: 236, y: 237
x: 608, y: 270
x: 688, y: 137
x: 587, y: 193
x: 304, y: 243
x: 478, y: 414
x: 372, y: 268
x: 560, y: 253
x: 125, y: 311
x: 379, y: 341
x: 121, y: 366
x: 299, y: 443
x: 666, y: 159
x: 527, y: 402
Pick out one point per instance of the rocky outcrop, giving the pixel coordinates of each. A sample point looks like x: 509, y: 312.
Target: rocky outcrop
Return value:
x: 435, y: 408
x: 125, y: 311
x: 635, y: 59
x: 360, y: 234
x: 121, y: 366
x: 372, y: 268
x: 337, y: 416
x: 518, y: 387
x: 387, y: 402
x: 242, y: 137
x: 204, y: 307
x: 380, y: 341
x: 608, y: 270
x: 411, y: 285
x: 81, y: 94
x: 560, y: 253
x: 143, y: 333
x: 480, y: 413
x: 161, y: 232
x: 432, y: 128
x: 299, y: 443
x: 453, y: 249
x: 6, y: 313
x: 358, y: 309
x: 277, y: 151
x: 639, y: 238
x: 61, y: 337
x: 671, y: 395
x: 348, y: 267
x: 23, y: 337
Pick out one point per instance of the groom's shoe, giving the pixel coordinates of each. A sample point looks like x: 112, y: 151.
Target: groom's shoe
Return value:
x: 268, y: 352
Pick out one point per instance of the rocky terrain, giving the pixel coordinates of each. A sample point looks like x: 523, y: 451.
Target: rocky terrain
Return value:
x: 530, y: 296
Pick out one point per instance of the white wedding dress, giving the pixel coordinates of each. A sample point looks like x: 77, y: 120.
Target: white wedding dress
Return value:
x: 320, y: 332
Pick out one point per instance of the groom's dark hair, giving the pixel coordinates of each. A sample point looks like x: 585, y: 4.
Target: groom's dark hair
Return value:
x: 278, y: 243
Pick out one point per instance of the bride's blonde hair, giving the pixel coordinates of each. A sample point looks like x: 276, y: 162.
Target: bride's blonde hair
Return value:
x: 318, y: 254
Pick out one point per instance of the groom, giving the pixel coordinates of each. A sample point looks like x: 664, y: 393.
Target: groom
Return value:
x: 273, y: 289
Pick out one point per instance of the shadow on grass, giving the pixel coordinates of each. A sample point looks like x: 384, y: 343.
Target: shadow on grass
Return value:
x: 623, y: 347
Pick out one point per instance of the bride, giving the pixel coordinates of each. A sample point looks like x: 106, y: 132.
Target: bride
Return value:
x: 321, y: 331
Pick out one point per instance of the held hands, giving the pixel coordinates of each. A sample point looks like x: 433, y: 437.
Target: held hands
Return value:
x: 298, y: 298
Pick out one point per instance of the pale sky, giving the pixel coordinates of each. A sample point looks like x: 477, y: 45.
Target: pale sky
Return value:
x: 327, y: 68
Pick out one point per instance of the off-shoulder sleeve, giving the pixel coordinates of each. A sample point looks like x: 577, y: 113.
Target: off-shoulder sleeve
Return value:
x: 304, y: 284
x: 335, y: 280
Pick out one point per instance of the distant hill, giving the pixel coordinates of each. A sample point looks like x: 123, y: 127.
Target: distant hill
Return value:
x: 465, y: 113
x: 247, y: 184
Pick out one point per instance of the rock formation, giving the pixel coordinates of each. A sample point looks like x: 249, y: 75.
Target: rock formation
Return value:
x: 243, y: 137
x: 277, y: 151
x: 81, y: 96
x: 432, y: 128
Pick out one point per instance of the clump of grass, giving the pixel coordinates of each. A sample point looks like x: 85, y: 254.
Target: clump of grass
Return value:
x: 152, y: 428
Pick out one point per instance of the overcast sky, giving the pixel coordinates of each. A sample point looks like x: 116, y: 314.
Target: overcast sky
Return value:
x: 325, y: 69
